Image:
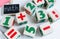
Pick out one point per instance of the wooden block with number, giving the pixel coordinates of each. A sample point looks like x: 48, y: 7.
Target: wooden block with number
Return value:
x: 39, y: 2
x: 30, y: 8
x: 12, y: 33
x: 7, y: 21
x: 54, y: 14
x: 41, y: 15
x: 21, y: 18
x: 45, y: 28
x: 30, y: 30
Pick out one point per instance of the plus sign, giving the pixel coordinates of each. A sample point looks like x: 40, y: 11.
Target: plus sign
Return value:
x: 21, y: 16
x: 39, y: 0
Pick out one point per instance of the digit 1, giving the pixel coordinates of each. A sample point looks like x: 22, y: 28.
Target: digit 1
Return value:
x: 31, y: 29
x: 7, y: 20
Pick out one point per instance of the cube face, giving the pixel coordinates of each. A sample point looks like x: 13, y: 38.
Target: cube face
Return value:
x: 7, y: 21
x: 30, y: 30
x: 2, y: 36
x: 41, y: 15
x: 12, y: 33
x: 54, y: 15
x: 11, y: 9
x: 45, y: 28
x: 21, y: 18
x: 30, y: 8
x: 39, y: 2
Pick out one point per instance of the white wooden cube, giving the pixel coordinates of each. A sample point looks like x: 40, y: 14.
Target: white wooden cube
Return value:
x: 39, y: 2
x: 2, y: 36
x: 41, y: 15
x: 45, y: 28
x: 54, y: 14
x: 30, y: 30
x: 12, y: 33
x: 21, y: 18
x: 7, y: 21
x: 30, y: 8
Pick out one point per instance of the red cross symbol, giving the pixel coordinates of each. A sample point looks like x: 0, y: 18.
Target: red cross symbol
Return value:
x: 21, y: 16
x: 39, y: 1
x: 53, y: 12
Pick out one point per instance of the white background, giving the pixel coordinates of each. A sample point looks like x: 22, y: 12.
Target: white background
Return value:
x: 56, y: 25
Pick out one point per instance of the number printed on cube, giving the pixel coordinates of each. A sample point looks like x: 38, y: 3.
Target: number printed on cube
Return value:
x: 21, y: 18
x: 30, y: 8
x: 7, y: 21
x: 30, y: 30
x: 39, y: 2
x: 41, y: 15
x: 11, y: 9
x: 52, y: 1
x: 55, y: 15
x: 12, y: 33
x: 2, y: 36
x: 45, y: 28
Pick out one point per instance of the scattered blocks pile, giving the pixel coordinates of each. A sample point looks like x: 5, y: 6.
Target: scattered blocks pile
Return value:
x: 37, y: 9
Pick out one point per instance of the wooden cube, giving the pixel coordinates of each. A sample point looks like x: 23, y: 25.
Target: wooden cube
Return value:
x: 39, y: 2
x: 30, y: 30
x: 2, y: 36
x: 21, y: 18
x: 7, y: 21
x: 12, y: 33
x: 45, y: 28
x: 54, y: 14
x: 41, y: 15
x: 30, y: 8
